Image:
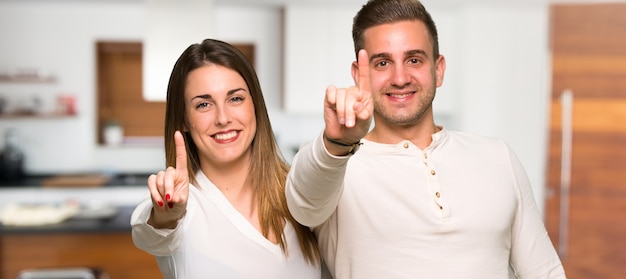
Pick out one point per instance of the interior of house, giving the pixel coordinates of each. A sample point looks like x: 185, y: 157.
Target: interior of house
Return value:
x: 82, y: 103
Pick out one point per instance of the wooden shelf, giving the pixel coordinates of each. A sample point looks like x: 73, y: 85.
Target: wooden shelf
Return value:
x: 27, y: 79
x: 34, y: 116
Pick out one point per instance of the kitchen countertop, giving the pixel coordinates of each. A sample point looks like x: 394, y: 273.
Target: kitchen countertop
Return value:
x: 122, y: 192
x: 117, y: 196
x: 120, y: 222
x: 125, y: 179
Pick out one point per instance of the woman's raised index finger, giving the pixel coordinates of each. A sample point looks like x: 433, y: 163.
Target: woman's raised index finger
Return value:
x: 181, y: 151
x: 364, y: 71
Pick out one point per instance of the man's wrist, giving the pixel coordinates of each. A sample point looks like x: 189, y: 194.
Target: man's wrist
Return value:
x: 350, y: 148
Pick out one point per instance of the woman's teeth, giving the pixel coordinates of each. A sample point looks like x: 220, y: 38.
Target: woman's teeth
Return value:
x: 225, y: 136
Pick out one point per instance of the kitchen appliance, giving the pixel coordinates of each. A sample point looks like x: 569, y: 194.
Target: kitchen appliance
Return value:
x: 63, y: 273
x: 11, y: 158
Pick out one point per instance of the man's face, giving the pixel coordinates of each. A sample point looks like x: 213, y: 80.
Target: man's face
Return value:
x: 404, y: 74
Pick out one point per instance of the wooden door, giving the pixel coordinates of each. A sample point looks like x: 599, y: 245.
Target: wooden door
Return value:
x: 586, y: 218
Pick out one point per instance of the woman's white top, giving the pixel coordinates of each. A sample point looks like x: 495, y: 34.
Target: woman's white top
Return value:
x: 213, y: 240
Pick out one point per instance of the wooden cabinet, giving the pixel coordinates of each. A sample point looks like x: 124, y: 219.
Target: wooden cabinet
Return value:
x: 111, y: 252
x: 586, y: 201
x: 100, y: 243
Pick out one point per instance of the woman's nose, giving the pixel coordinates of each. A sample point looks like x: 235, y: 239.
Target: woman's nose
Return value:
x: 223, y: 116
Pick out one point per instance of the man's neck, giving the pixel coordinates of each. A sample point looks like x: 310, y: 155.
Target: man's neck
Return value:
x: 419, y: 133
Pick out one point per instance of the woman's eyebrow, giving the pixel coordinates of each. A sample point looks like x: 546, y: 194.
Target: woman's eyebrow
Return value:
x: 233, y: 91
x: 203, y: 96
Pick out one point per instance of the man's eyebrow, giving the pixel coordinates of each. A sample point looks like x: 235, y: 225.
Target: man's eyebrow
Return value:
x: 379, y: 55
x: 416, y: 52
x: 412, y: 52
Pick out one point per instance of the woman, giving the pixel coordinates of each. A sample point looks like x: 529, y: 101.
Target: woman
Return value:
x: 219, y: 209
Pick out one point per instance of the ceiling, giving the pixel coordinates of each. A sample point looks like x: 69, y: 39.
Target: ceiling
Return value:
x: 349, y: 2
x: 426, y: 2
x: 431, y: 4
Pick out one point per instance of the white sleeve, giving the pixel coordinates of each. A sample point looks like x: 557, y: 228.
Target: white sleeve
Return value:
x: 532, y: 253
x: 158, y: 242
x: 315, y: 183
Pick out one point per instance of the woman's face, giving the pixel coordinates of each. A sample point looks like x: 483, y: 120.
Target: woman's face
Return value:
x: 220, y: 114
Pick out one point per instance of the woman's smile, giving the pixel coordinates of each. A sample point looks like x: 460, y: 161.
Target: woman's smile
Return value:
x: 227, y: 136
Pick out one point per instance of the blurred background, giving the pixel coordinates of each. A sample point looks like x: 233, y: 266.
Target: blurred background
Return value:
x: 82, y: 85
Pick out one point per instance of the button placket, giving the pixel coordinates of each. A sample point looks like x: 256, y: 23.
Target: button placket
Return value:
x: 435, y: 187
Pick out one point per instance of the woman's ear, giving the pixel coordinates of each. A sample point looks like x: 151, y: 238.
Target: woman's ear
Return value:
x: 185, y: 126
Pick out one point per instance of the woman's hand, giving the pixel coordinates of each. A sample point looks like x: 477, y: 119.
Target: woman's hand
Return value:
x: 169, y: 190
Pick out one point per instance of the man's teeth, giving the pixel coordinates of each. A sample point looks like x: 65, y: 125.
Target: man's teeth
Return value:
x: 400, y: 95
x: 226, y: 136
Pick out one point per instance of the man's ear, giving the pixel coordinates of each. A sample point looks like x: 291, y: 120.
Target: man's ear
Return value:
x: 440, y: 69
x: 355, y: 73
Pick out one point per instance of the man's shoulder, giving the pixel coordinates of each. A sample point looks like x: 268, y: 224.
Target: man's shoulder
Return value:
x: 475, y: 138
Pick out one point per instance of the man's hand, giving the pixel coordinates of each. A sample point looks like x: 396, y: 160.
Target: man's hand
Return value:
x: 348, y: 111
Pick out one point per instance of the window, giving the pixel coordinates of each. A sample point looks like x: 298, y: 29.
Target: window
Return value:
x: 119, y: 93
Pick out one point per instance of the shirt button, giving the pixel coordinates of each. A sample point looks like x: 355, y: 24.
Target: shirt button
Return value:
x: 425, y: 156
x: 406, y: 145
x: 432, y: 172
x: 437, y: 194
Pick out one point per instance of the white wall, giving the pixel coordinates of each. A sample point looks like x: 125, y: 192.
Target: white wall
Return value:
x: 505, y: 83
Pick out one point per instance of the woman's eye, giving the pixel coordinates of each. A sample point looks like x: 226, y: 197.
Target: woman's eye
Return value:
x: 202, y: 105
x: 236, y: 99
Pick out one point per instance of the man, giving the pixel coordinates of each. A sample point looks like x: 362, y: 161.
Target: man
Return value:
x: 408, y: 198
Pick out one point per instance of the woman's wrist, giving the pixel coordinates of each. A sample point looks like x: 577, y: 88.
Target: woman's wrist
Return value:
x: 161, y: 223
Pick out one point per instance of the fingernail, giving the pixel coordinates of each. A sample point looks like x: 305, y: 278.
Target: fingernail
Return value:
x: 167, y: 197
x: 349, y: 123
x: 342, y: 121
x: 170, y: 205
x: 160, y: 203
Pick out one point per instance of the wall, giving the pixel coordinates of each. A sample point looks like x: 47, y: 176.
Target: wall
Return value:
x: 496, y: 78
x: 499, y: 72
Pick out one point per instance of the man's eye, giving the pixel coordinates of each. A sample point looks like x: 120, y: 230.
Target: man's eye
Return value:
x: 382, y: 63
x: 415, y: 61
